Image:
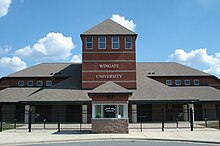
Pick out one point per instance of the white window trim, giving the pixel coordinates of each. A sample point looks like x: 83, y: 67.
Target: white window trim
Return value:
x: 50, y: 82
x: 99, y: 42
x: 125, y: 42
x: 30, y: 81
x: 40, y: 82
x: 186, y: 83
x: 178, y: 81
x: 171, y: 82
x: 125, y: 111
x: 196, y: 84
x: 22, y: 84
x: 86, y: 42
x: 113, y: 42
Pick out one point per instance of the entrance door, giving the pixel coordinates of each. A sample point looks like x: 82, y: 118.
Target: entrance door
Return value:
x: 109, y: 111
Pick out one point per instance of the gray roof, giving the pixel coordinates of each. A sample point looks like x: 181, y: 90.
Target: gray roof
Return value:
x: 108, y: 27
x: 203, y: 93
x: 168, y: 69
x: 53, y: 95
x: 110, y: 87
x: 16, y: 94
x: 69, y: 69
x: 147, y: 89
x: 151, y: 90
x: 67, y: 90
x: 49, y: 70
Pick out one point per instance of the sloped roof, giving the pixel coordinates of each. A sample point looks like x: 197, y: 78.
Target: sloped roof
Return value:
x: 168, y: 69
x: 69, y: 69
x: 49, y: 70
x: 147, y: 89
x: 203, y: 93
x: 108, y: 27
x: 67, y: 90
x: 110, y: 87
x: 16, y: 94
x: 153, y: 91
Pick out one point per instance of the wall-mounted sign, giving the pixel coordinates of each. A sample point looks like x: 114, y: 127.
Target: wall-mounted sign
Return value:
x: 108, y: 76
x: 108, y: 66
x: 109, y: 110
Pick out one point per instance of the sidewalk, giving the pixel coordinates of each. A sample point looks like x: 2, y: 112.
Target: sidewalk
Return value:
x: 21, y: 137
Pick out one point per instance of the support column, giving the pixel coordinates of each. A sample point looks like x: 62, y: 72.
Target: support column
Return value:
x: 26, y: 113
x: 192, y: 106
x: 84, y: 113
x: 134, y: 113
x: 185, y: 112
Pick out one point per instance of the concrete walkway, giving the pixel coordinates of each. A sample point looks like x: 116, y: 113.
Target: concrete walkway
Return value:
x: 21, y: 137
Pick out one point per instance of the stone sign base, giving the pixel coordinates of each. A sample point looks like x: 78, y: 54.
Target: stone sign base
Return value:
x: 110, y: 126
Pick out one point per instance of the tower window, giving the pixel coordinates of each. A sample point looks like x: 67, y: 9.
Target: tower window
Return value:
x: 115, y: 42
x: 89, y: 42
x: 128, y: 42
x: 102, y: 42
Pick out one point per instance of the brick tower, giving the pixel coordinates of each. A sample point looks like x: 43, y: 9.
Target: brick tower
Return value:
x: 108, y: 54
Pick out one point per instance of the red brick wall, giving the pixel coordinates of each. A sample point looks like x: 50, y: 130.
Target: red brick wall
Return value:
x: 111, y: 98
x: 93, y: 59
x: 108, y: 44
x: 91, y: 85
x: 108, y: 56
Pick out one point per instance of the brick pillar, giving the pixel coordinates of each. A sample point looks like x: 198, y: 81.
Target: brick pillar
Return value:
x: 84, y: 113
x: 27, y: 107
x: 185, y: 112
x: 134, y: 113
x: 26, y: 113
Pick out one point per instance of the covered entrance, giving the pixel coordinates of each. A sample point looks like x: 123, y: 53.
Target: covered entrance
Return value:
x: 110, y: 108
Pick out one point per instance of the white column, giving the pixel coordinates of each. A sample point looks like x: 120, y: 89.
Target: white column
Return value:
x: 84, y: 113
x: 185, y: 112
x: 26, y: 113
x: 134, y: 113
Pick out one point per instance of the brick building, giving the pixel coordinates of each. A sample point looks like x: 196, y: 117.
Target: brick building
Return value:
x: 109, y: 87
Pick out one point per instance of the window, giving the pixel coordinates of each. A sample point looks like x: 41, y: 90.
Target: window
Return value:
x: 110, y: 111
x: 196, y: 82
x: 187, y: 82
x: 20, y: 83
x: 177, y: 82
x: 115, y: 42
x: 128, y: 42
x: 39, y: 83
x: 168, y: 82
x: 30, y: 83
x: 89, y: 42
x: 102, y: 41
x: 49, y: 83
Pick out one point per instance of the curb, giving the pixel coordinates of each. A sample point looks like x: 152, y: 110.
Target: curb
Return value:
x: 109, y: 139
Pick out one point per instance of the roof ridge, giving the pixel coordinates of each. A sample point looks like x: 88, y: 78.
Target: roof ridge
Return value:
x: 109, y: 27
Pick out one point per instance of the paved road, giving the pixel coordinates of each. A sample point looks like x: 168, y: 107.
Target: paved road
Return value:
x: 126, y: 143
